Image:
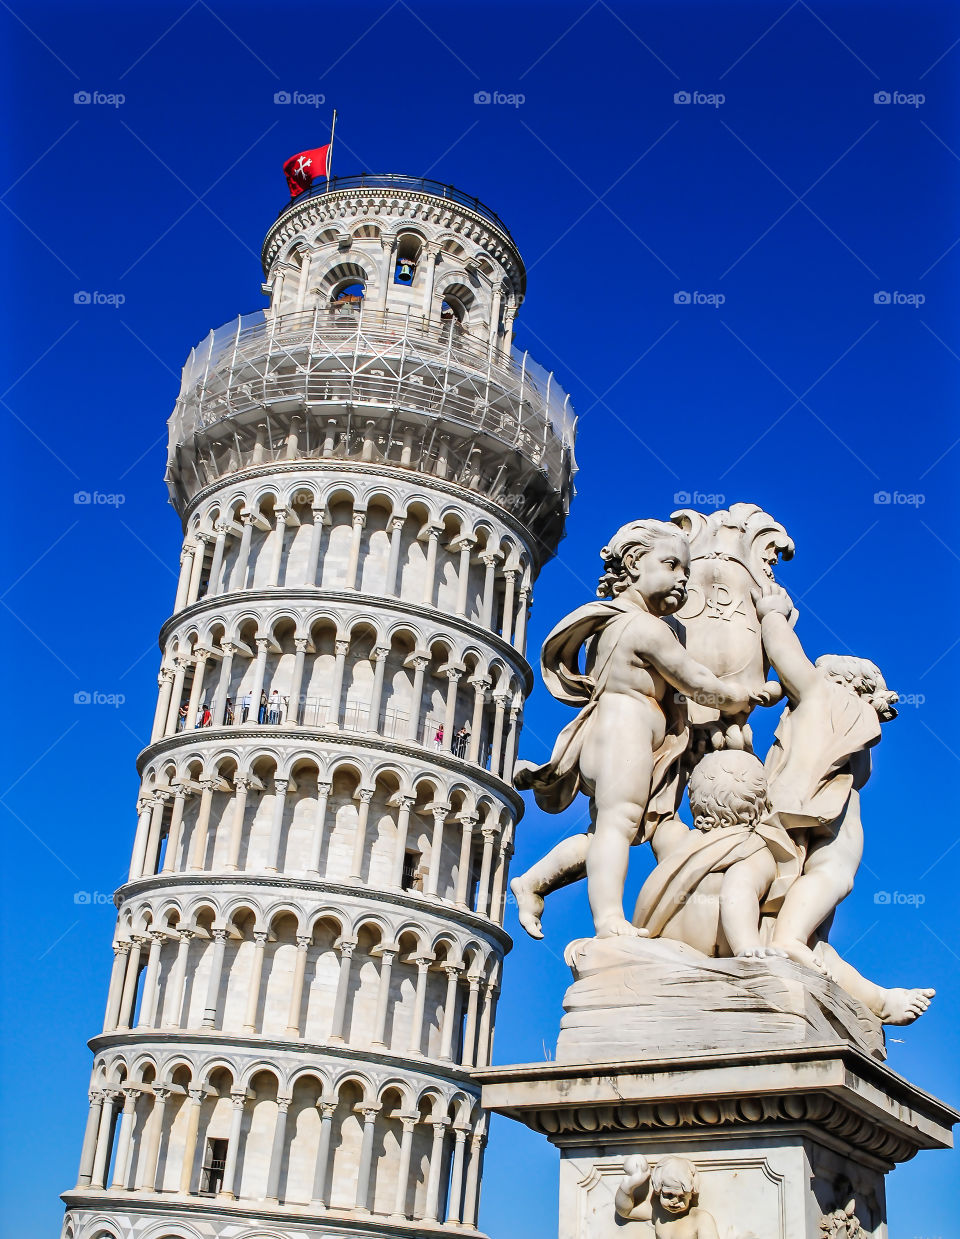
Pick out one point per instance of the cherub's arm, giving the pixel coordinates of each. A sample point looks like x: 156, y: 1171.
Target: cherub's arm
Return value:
x: 632, y: 1200
x: 656, y: 643
x: 785, y: 652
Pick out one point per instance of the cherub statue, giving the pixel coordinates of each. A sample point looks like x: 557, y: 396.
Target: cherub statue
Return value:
x: 666, y: 1198
x: 624, y: 747
x: 819, y: 761
x: 709, y: 889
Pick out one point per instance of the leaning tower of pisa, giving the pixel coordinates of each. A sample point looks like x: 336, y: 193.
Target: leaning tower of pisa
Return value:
x: 308, y: 947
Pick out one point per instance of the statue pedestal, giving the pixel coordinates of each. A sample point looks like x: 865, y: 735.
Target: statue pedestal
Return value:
x: 797, y: 1122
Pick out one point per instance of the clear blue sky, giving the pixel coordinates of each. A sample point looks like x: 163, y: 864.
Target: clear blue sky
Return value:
x: 798, y: 199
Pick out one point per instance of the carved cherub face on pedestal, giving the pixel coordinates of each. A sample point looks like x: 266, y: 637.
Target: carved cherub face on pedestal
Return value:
x: 652, y: 558
x: 667, y: 1198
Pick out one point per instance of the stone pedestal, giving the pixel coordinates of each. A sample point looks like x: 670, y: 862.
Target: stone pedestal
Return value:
x: 798, y: 1122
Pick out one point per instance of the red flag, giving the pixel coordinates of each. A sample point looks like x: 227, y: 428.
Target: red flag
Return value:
x: 303, y: 169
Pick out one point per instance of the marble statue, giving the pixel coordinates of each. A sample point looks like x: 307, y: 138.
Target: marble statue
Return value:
x: 635, y: 677
x: 665, y: 668
x: 665, y: 1197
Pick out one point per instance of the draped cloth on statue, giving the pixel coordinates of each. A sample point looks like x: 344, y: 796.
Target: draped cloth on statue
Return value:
x: 813, y: 786
x: 555, y: 784
x: 677, y: 877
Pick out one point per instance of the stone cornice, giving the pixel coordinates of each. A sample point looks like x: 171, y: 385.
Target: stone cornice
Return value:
x: 361, y: 202
x: 381, y: 468
x: 264, y: 735
x: 446, y: 912
x: 835, y: 1093
x: 242, y: 1214
x: 379, y: 602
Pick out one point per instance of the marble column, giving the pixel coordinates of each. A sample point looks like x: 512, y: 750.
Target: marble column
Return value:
x: 353, y: 561
x: 509, y: 594
x: 238, y: 579
x: 364, y: 795
x: 212, y: 1004
x: 101, y: 1157
x: 470, y: 1030
x: 456, y: 1177
x: 296, y: 987
x: 341, y: 648
x: 155, y: 834
x: 221, y: 529
x: 238, y: 1101
x: 419, y: 662
x: 151, y: 982
x: 144, y: 812
x: 490, y: 560
x: 387, y: 956
x: 115, y: 992
x: 500, y: 703
x: 400, y: 847
x: 198, y: 847
x: 121, y: 1165
x: 467, y: 823
x: 173, y: 1012
x: 296, y: 681
x: 327, y: 1109
x: 241, y: 786
x: 316, y: 843
x: 154, y: 1134
x: 436, y: 850
x: 450, y: 712
x: 176, y: 693
x: 432, y: 1204
x: 253, y: 984
x: 430, y: 571
x: 449, y: 1010
x: 480, y: 686
x: 222, y: 691
x: 176, y: 830
x: 194, y: 1102
x: 369, y: 1114
x: 346, y: 947
x: 419, y: 1006
x: 165, y: 685
x: 379, y: 657
x: 280, y: 788
x: 313, y: 549
x: 89, y: 1149
x: 276, y: 556
x: 183, y: 582
x: 276, y: 1151
x: 259, y: 675
x: 393, y: 563
x: 128, y: 998
x: 196, y: 688
x: 471, y: 1198
x: 196, y: 572
x: 486, y: 862
x: 463, y: 574
x: 408, y: 1123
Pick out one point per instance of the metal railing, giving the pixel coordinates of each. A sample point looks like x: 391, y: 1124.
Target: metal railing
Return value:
x: 398, y: 180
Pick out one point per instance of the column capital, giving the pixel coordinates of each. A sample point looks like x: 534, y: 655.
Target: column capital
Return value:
x: 304, y: 942
x: 161, y: 795
x: 408, y: 1120
x: 121, y: 948
x: 480, y: 683
x: 346, y: 946
x: 474, y: 983
x: 490, y: 833
x: 460, y: 1133
x: 95, y: 1095
x: 220, y: 935
x: 280, y: 516
x: 453, y: 673
x: 379, y: 652
x: 359, y: 519
x: 229, y: 647
x: 440, y: 812
x: 239, y: 1100
x: 502, y: 700
x: 162, y: 1091
x: 324, y: 788
x: 397, y: 522
x: 186, y: 934
x: 468, y: 821
x: 283, y: 1104
x: 240, y: 781
x: 166, y: 675
x: 326, y: 1108
x: 490, y: 557
x: 423, y: 962
x: 300, y: 644
x: 439, y: 1126
x: 407, y: 802
x: 263, y: 643
x: 196, y: 1095
x: 452, y: 970
x: 222, y: 527
x: 365, y: 794
x: 260, y: 937
x: 511, y: 573
x: 341, y: 647
x: 369, y: 1113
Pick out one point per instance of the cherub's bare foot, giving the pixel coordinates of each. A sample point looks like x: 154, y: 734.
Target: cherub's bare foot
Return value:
x: 619, y: 927
x: 903, y: 1006
x: 801, y: 954
x: 529, y: 907
x: 762, y: 952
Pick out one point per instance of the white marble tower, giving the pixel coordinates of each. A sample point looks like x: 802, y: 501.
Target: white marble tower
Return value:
x: 308, y: 948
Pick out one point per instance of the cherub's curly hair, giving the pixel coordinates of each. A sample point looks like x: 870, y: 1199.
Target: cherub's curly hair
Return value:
x: 676, y: 1170
x: 728, y: 788
x: 635, y: 536
x: 863, y: 676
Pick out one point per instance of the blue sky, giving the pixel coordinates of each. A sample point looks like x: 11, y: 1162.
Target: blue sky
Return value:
x: 798, y: 198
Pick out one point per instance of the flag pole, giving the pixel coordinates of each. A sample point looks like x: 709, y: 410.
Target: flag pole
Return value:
x: 333, y: 126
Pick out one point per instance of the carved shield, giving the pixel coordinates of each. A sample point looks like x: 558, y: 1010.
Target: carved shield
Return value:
x: 732, y: 552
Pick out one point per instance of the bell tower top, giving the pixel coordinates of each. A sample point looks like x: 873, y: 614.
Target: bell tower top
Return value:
x: 402, y: 244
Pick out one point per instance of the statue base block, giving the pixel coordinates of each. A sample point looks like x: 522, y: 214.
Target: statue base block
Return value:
x: 783, y: 1137
x: 639, y: 996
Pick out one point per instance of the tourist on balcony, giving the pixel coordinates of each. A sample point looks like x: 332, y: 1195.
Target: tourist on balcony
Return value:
x: 182, y: 716
x: 461, y: 740
x: 438, y: 737
x: 264, y: 706
x: 206, y: 717
x: 228, y: 712
x: 245, y: 703
x: 276, y: 707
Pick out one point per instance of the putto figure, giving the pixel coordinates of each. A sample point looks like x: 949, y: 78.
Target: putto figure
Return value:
x: 625, y: 746
x: 666, y: 1198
